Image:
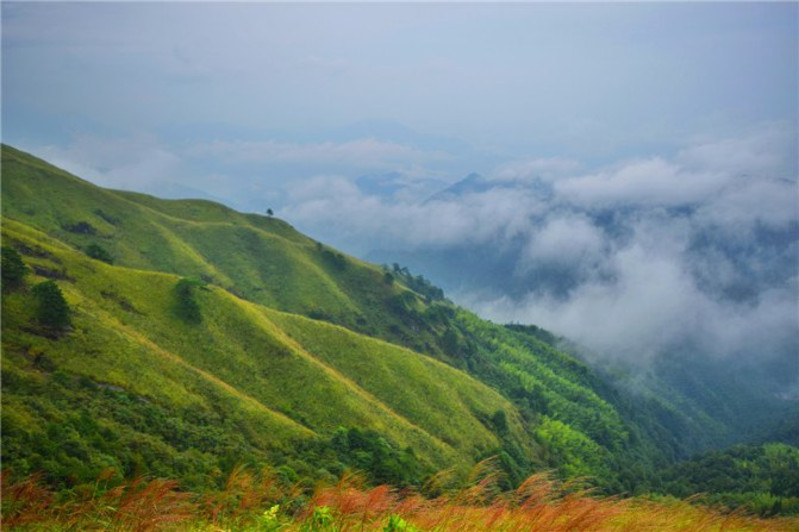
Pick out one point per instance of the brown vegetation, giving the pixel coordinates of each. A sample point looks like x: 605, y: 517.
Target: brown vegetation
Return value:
x: 252, y: 501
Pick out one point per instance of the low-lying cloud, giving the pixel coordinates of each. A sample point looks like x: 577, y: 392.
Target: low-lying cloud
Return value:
x: 630, y: 260
x: 132, y: 162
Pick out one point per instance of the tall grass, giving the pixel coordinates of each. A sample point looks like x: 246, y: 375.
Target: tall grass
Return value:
x: 539, y: 503
x: 262, y: 502
x: 138, y: 505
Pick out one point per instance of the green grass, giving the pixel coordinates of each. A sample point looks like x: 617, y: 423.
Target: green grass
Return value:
x: 385, y: 371
x: 280, y: 377
x: 258, y: 258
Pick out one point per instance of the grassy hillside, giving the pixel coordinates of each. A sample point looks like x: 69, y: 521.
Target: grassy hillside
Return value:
x: 270, y: 385
x: 202, y: 338
x: 258, y: 258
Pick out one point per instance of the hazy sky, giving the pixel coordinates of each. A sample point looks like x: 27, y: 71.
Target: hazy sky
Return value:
x: 646, y: 153
x: 224, y: 96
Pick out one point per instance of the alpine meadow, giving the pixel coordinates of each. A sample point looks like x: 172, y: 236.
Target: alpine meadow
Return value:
x: 399, y: 267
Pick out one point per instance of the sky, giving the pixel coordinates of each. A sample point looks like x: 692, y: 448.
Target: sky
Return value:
x: 615, y: 143
x: 225, y: 97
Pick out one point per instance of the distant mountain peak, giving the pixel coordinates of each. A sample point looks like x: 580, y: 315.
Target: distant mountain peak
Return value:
x: 476, y: 183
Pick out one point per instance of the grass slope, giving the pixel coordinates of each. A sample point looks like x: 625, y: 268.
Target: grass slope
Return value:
x: 255, y: 257
x: 275, y: 378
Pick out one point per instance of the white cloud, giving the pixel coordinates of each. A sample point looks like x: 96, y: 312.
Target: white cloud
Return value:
x: 768, y: 150
x: 748, y: 200
x: 566, y: 239
x: 130, y: 163
x: 653, y: 305
x: 653, y: 181
x: 639, y: 282
x: 332, y: 207
x: 641, y: 312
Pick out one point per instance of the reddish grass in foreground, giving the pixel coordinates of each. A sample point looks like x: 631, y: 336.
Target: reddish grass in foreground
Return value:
x: 538, y: 504
x: 259, y: 502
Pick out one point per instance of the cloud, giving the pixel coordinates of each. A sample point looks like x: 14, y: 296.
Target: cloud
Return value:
x: 654, y: 305
x: 760, y: 164
x: 633, y: 259
x: 246, y: 174
x: 547, y: 168
x: 747, y: 201
x: 653, y: 181
x: 334, y: 208
x: 647, y: 305
x: 769, y: 149
x: 129, y: 163
x: 565, y: 239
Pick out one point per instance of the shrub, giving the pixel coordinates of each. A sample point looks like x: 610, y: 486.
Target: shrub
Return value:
x: 98, y: 252
x: 52, y: 309
x: 80, y: 228
x: 13, y: 269
x: 186, y: 306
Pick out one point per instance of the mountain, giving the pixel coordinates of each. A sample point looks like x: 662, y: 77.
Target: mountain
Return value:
x: 202, y: 338
x: 262, y: 378
x: 475, y: 183
x: 714, y: 288
x: 472, y: 183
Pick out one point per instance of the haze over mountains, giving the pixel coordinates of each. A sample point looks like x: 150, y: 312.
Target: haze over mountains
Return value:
x: 692, y: 252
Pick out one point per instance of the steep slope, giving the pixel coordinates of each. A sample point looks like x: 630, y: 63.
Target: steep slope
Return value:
x: 296, y: 355
x: 265, y: 386
x: 258, y: 258
x: 318, y: 376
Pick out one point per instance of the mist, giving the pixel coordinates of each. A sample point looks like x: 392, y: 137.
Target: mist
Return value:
x: 629, y: 260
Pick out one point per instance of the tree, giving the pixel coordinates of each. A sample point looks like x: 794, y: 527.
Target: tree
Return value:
x: 269, y: 212
x: 52, y: 309
x: 500, y: 422
x: 186, y: 307
x: 13, y: 269
x: 98, y: 252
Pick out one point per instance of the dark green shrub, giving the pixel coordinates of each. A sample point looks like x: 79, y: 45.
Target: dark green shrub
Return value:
x: 80, y: 228
x: 13, y: 269
x: 52, y: 309
x: 186, y: 306
x: 96, y: 251
x: 113, y: 220
x: 370, y: 452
